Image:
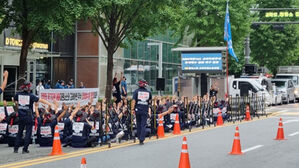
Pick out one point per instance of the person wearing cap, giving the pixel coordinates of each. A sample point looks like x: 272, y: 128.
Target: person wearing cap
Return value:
x: 140, y: 106
x: 3, y: 86
x: 24, y: 101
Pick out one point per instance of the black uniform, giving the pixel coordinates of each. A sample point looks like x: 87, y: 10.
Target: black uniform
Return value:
x: 25, y: 112
x: 142, y: 97
x: 46, y: 128
x: 3, y: 127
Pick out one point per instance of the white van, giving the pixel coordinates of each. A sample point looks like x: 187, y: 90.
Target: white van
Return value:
x: 276, y: 97
x: 294, y: 78
x: 253, y: 88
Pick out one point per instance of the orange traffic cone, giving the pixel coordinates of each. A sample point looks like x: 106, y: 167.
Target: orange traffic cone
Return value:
x: 56, y: 149
x: 236, y: 150
x: 219, y: 119
x: 280, y: 133
x: 247, y: 117
x: 83, y: 163
x: 160, y: 128
x: 184, y: 159
x: 177, y: 127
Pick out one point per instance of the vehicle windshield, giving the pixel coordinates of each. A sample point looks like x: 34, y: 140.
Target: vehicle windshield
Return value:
x: 279, y: 84
x: 294, y: 78
x: 259, y: 86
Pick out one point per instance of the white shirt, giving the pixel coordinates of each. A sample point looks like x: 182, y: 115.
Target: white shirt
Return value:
x: 39, y: 88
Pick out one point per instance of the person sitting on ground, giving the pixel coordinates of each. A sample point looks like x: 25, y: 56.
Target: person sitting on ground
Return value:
x: 46, y: 125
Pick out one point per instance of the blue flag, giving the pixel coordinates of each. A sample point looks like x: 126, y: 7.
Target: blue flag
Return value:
x: 228, y: 35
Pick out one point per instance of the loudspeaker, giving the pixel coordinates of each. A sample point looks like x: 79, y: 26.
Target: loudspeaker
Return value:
x: 250, y: 69
x: 160, y: 84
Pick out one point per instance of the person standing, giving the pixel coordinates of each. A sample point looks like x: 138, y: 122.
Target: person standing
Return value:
x: 48, y: 85
x: 213, y: 91
x: 3, y: 86
x: 24, y: 101
x: 124, y: 87
x: 82, y: 85
x: 71, y: 83
x: 116, y: 88
x: 39, y: 87
x: 140, y: 106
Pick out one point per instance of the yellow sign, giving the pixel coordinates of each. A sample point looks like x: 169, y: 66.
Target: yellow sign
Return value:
x: 282, y: 14
x: 18, y: 43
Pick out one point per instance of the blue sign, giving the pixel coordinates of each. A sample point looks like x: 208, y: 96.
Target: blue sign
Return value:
x: 201, y: 62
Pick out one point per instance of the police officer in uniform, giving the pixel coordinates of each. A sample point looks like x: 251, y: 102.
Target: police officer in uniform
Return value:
x: 24, y: 101
x: 140, y: 106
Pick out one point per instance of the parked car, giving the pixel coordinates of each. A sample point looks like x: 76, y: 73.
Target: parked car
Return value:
x: 277, y: 96
x: 295, y: 80
x: 287, y: 88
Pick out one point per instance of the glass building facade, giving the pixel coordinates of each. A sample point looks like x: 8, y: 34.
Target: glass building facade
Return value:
x: 141, y: 62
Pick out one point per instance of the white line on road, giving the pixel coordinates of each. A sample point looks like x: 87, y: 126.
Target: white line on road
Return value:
x: 252, y: 148
x: 293, y: 134
x: 284, y: 117
x: 290, y: 121
x: 283, y: 111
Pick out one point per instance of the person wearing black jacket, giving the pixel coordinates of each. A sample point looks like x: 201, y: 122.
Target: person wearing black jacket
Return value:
x: 24, y: 101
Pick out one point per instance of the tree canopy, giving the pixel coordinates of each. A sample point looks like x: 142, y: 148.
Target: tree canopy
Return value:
x: 272, y: 47
x: 204, y: 20
x: 34, y: 20
x: 116, y: 20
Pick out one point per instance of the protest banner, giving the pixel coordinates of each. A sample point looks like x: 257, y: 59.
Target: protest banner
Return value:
x: 70, y: 96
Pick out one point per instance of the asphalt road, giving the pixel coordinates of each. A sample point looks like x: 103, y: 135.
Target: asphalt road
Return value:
x: 207, y: 148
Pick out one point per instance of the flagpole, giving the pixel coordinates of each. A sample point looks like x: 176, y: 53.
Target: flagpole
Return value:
x: 227, y: 93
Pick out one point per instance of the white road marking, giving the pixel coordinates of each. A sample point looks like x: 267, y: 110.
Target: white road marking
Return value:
x: 252, y: 148
x: 283, y: 111
x: 290, y: 121
x: 293, y: 134
x: 284, y: 117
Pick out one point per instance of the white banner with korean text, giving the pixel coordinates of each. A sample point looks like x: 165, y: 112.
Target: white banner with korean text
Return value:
x: 70, y: 96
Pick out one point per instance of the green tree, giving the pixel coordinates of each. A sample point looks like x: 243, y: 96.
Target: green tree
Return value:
x: 204, y: 20
x: 116, y: 20
x: 35, y: 19
x: 272, y: 47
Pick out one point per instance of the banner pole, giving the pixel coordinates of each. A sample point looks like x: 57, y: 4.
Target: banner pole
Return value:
x: 227, y: 92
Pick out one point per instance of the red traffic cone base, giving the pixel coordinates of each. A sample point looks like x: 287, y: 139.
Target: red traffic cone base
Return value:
x: 56, y: 149
x: 247, y: 116
x: 219, y: 119
x: 236, y: 149
x: 177, y: 127
x: 184, y: 159
x: 280, y: 132
x: 83, y: 163
x: 160, y: 131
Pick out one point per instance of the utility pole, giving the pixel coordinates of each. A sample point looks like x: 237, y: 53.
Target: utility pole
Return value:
x: 247, y: 49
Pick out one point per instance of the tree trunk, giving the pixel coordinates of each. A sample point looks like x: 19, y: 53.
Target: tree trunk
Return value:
x: 109, y: 72
x: 26, y: 41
